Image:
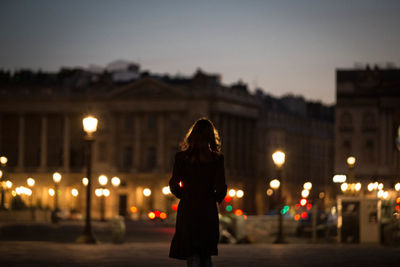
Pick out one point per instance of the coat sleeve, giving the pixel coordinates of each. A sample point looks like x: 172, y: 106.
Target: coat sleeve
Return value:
x: 176, y: 178
x: 220, y: 185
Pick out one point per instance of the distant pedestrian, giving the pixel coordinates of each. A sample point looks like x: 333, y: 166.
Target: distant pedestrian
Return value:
x: 198, y: 180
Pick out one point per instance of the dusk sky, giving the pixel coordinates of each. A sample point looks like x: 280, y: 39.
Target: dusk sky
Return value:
x: 281, y: 46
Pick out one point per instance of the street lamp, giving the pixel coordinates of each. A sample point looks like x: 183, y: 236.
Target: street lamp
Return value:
x: 3, y: 162
x: 279, y: 160
x: 103, y: 182
x: 31, y: 182
x: 351, y: 161
x: 57, y: 180
x: 90, y: 127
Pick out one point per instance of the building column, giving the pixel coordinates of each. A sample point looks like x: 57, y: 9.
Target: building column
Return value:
x: 21, y: 143
x: 160, y: 142
x: 43, y: 144
x: 66, y: 145
x: 136, y: 144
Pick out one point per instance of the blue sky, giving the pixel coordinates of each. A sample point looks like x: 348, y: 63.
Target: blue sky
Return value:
x: 281, y: 46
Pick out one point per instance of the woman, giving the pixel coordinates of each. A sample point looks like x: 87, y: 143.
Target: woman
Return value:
x: 198, y: 180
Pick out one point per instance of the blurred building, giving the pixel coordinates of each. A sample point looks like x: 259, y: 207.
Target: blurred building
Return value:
x: 142, y: 119
x: 367, y: 119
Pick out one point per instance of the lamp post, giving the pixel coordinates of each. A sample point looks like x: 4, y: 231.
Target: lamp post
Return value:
x: 351, y: 161
x: 279, y: 159
x: 3, y: 162
x: 90, y: 127
x: 31, y: 182
x: 115, y: 181
x: 103, y: 182
x: 57, y: 179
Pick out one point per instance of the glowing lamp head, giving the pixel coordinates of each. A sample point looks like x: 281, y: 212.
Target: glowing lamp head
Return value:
x: 106, y: 192
x: 279, y: 158
x: 232, y: 192
x: 358, y: 187
x: 397, y: 187
x: 30, y: 181
x: 344, y: 187
x: 9, y: 184
x: 103, y: 180
x: 239, y: 193
x: 380, y: 186
x: 74, y: 192
x: 307, y: 186
x: 305, y: 193
x: 57, y: 177
x: 98, y: 192
x: 351, y: 161
x: 166, y: 190
x: 89, y: 125
x: 146, y: 192
x: 52, y: 192
x: 115, y: 181
x: 370, y: 187
x: 85, y: 181
x: 3, y: 160
x: 274, y: 184
x: 269, y: 192
x: 1, y: 174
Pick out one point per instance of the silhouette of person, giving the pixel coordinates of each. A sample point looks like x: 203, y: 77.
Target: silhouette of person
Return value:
x: 198, y: 180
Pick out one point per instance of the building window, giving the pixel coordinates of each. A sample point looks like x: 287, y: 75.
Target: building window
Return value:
x: 368, y: 122
x: 128, y: 122
x: 102, y: 152
x: 346, y: 122
x: 151, y: 158
x: 127, y: 158
x: 152, y: 122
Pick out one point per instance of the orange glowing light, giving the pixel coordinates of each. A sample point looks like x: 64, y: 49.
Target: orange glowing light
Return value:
x: 309, y: 206
x: 238, y: 212
x: 297, y: 206
x: 397, y: 207
x: 297, y: 217
x: 157, y: 213
x: 398, y: 200
x: 174, y: 207
x: 304, y: 215
x: 151, y: 215
x: 245, y: 217
x: 303, y: 202
x: 180, y: 184
x: 228, y: 199
x: 163, y: 215
x: 133, y: 209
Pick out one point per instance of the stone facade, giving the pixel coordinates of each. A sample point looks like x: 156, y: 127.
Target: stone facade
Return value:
x: 367, y: 119
x: 140, y: 126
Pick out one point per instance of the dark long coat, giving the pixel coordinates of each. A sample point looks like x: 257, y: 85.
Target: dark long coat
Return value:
x: 197, y: 223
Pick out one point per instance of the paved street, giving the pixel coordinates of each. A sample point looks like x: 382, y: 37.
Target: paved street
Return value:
x: 147, y: 244
x: 28, y: 253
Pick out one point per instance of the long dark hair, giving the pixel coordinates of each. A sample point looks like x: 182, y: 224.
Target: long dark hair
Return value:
x: 201, y: 138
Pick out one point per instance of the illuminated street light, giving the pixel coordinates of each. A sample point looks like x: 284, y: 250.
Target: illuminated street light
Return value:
x: 74, y: 192
x: 166, y: 190
x: 239, y: 193
x: 371, y: 187
x: 30, y: 181
x: 232, y: 192
x: 358, y: 187
x: 103, y: 180
x: 85, y: 181
x: 278, y: 158
x: 344, y: 187
x: 90, y: 127
x: 305, y: 193
x: 275, y: 184
x: 3, y: 162
x: 380, y: 193
x: 397, y: 187
x: 146, y: 192
x: 307, y: 186
x: 115, y: 181
x: 9, y: 184
x: 269, y: 192
x: 57, y: 179
x: 52, y: 192
x: 339, y: 178
x: 380, y: 186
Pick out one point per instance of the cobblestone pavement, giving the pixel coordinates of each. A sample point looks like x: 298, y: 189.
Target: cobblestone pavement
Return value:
x: 33, y: 253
